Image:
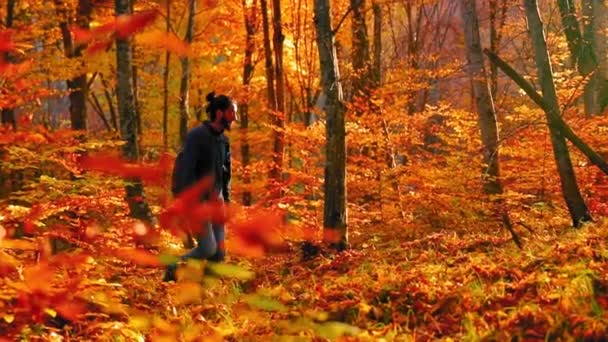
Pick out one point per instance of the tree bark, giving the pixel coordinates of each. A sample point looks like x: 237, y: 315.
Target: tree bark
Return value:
x: 490, y: 173
x: 360, y: 56
x: 184, y: 87
x: 8, y: 114
x: 497, y: 21
x: 483, y: 99
x: 78, y: 85
x: 581, y: 48
x: 248, y: 68
x: 166, y: 81
x: 128, y: 119
x: 108, y: 97
x: 334, y: 208
x: 279, y: 113
x: 377, y: 60
x: 572, y: 196
x: 600, y: 46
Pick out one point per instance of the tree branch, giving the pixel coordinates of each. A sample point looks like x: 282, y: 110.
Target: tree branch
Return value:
x: 562, y: 126
x: 335, y: 30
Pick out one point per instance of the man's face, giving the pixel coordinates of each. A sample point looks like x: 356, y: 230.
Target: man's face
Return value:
x: 228, y: 116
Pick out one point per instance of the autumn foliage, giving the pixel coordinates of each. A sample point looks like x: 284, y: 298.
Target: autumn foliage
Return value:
x: 429, y: 257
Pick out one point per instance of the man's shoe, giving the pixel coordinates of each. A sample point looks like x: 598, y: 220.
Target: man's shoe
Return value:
x: 170, y: 274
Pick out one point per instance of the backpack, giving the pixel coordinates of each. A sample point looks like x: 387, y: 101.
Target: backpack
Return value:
x: 176, y: 184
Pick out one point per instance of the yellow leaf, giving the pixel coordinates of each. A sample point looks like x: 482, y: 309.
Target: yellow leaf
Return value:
x: 18, y: 244
x: 9, y: 318
x: 188, y: 293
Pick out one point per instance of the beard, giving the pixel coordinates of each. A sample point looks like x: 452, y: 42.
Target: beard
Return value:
x: 225, y: 123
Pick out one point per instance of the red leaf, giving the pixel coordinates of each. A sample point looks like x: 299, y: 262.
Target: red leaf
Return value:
x: 138, y: 256
x: 258, y: 234
x: 128, y: 25
x: 81, y: 36
x: 152, y: 174
x: 6, y: 41
x: 181, y: 213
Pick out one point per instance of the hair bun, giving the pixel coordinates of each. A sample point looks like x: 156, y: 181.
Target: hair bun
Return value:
x: 210, y: 96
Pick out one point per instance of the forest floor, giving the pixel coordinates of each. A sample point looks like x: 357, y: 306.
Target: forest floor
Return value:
x: 439, y: 286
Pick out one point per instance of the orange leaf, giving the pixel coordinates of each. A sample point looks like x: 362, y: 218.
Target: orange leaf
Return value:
x: 39, y: 278
x: 18, y: 244
x: 167, y: 41
x: 138, y: 256
x: 70, y: 309
x: 259, y: 233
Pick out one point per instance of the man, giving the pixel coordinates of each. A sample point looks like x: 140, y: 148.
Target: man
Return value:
x: 207, y: 152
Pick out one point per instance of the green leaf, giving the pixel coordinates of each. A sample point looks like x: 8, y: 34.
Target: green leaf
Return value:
x: 230, y: 271
x: 167, y: 259
x: 333, y: 330
x: 265, y: 303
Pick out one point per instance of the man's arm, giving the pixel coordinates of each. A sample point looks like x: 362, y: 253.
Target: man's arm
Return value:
x: 193, y: 155
x: 227, y: 167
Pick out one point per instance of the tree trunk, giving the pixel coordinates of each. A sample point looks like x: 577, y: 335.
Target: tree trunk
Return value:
x: 360, y: 55
x: 128, y: 119
x: 588, y: 60
x: 490, y: 173
x: 166, y: 81
x: 497, y: 21
x: 94, y: 101
x: 572, y: 196
x: 483, y: 99
x: 78, y: 85
x: 600, y: 47
x: 108, y: 97
x: 334, y: 209
x: 567, y: 10
x: 8, y: 114
x: 248, y: 68
x: 377, y: 61
x: 279, y: 113
x: 184, y: 86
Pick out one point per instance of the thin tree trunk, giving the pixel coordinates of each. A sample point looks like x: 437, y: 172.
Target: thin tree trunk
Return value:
x: 497, y: 21
x: 166, y: 82
x: 572, y: 196
x: 360, y: 55
x: 600, y: 35
x: 486, y: 113
x: 334, y: 208
x: 108, y: 97
x: 279, y: 113
x: 377, y: 60
x: 94, y: 101
x: 128, y: 119
x: 184, y: 87
x: 8, y: 114
x: 248, y: 68
x: 270, y: 84
x: 78, y: 85
x: 587, y: 60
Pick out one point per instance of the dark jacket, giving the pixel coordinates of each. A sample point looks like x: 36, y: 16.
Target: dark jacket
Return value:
x: 206, y: 152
